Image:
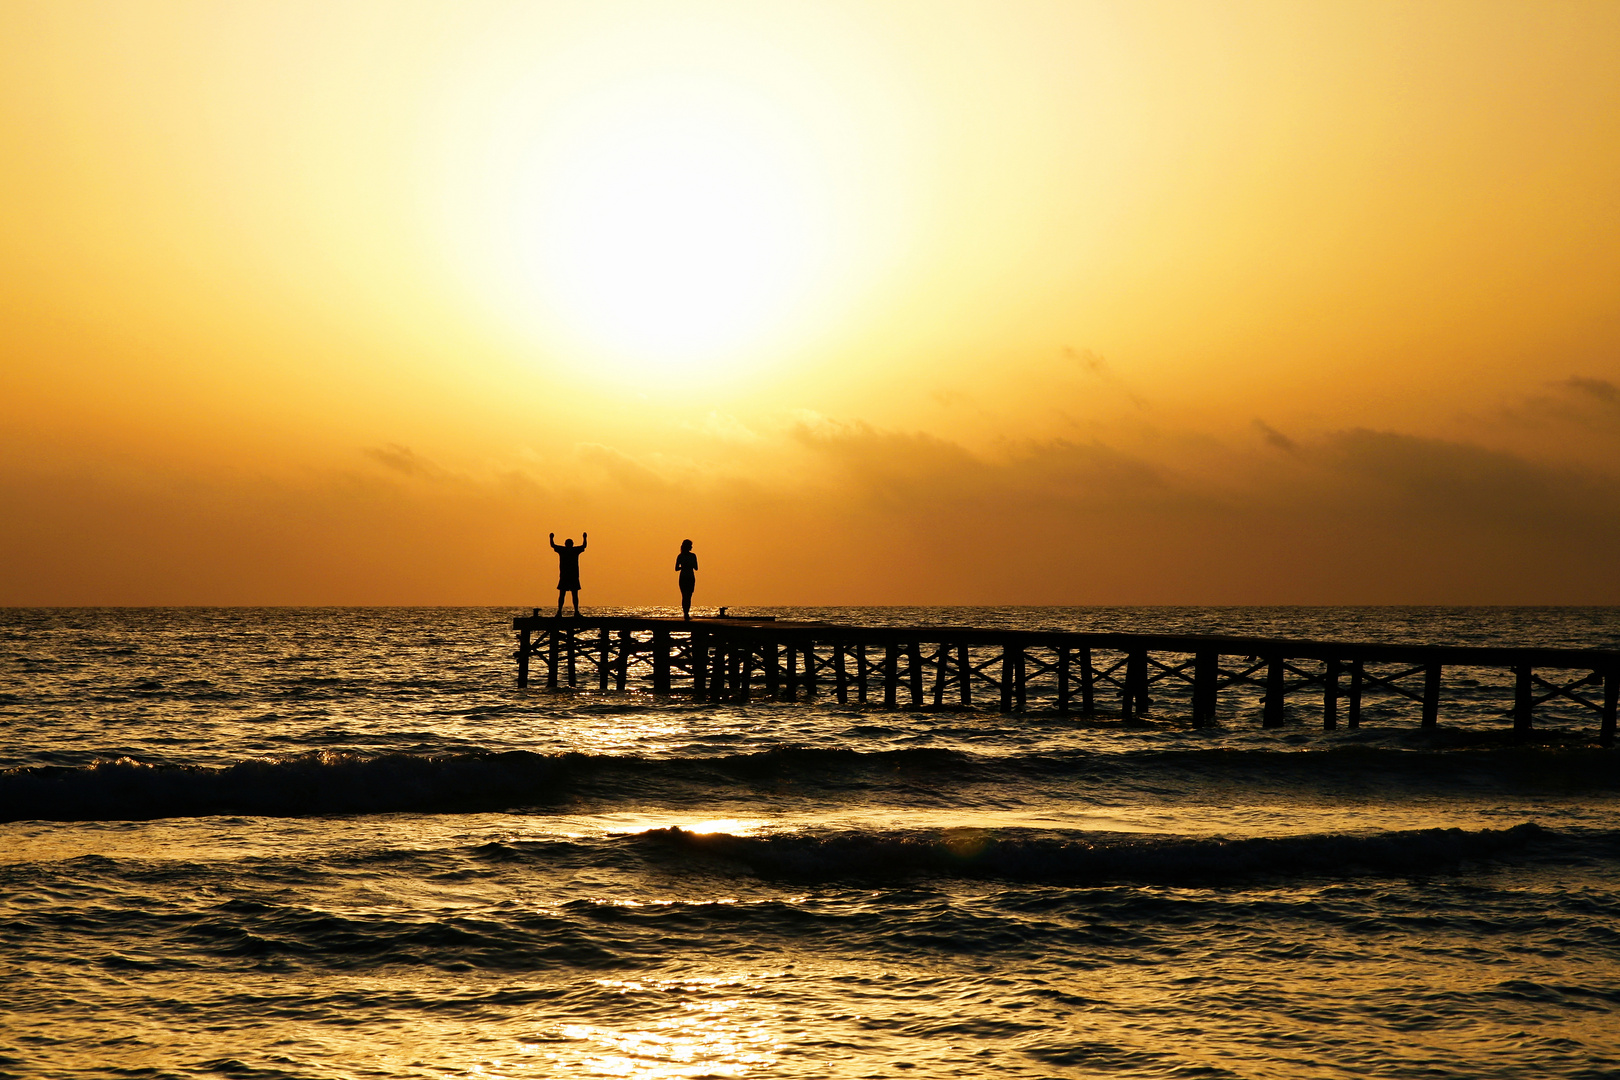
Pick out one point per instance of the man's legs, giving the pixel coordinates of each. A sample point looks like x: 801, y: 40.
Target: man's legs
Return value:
x: 576, y: 604
x: 560, y: 594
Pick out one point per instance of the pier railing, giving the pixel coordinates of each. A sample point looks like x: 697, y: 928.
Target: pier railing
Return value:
x: 1089, y: 673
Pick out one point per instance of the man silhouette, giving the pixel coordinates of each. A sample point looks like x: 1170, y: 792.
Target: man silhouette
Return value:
x: 568, y: 569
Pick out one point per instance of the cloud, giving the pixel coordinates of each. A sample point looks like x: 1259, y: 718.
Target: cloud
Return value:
x: 403, y: 460
x: 724, y: 427
x: 1477, y: 488
x: 1601, y: 389
x: 1095, y: 366
x: 1577, y: 404
x: 1379, y: 516
x: 918, y: 468
x: 1091, y: 472
x: 1087, y: 360
x: 822, y: 510
x: 1275, y: 438
x: 620, y: 469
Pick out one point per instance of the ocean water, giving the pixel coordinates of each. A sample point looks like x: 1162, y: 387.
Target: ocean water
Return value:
x: 341, y: 843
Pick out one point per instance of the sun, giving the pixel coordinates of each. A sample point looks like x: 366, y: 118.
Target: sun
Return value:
x: 669, y: 203
x: 677, y: 224
x: 670, y: 226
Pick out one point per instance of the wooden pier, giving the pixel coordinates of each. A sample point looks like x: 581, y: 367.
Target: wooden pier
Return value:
x: 1086, y: 673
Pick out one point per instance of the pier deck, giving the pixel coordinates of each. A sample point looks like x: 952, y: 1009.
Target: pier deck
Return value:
x: 741, y: 659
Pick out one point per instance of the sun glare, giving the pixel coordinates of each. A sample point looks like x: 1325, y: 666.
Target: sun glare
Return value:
x: 668, y: 206
x: 672, y: 226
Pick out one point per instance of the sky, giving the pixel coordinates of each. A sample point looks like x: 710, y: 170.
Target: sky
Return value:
x: 878, y: 303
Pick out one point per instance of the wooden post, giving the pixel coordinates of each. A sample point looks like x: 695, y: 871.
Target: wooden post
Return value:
x: 773, y: 671
x: 812, y: 670
x: 1088, y: 683
x: 790, y: 662
x: 551, y: 659
x: 1431, y: 694
x: 1611, y: 697
x: 602, y: 659
x: 660, y: 659
x: 1062, y: 678
x: 914, y: 655
x: 891, y: 674
x: 1523, y: 700
x: 523, y: 657
x: 1206, y: 676
x: 699, y: 657
x: 1330, y: 695
x: 627, y: 649
x: 718, y: 690
x: 1007, y: 665
x: 941, y: 666
x: 1022, y: 679
x: 573, y: 653
x: 964, y: 675
x: 1356, y: 676
x: 861, y: 669
x: 1126, y: 711
x: 840, y: 673
x: 743, y: 669
x: 1273, y: 715
x: 1136, y: 681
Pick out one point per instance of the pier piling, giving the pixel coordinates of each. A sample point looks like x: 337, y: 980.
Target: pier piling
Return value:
x: 1523, y: 703
x: 1274, y: 709
x: 1330, y: 696
x: 1431, y: 693
x: 1611, y: 697
x: 522, y: 656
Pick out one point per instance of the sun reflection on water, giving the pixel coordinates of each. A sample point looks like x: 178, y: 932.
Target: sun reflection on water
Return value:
x: 628, y: 732
x: 717, y: 1032
x: 630, y: 824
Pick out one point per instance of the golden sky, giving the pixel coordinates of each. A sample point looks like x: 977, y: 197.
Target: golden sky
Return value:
x: 1061, y: 303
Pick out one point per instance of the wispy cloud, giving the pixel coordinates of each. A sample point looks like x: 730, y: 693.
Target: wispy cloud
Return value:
x: 1275, y: 438
x: 403, y: 460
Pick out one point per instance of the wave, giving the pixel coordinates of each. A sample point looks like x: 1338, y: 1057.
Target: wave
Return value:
x: 1114, y: 858
x: 1082, y: 895
x: 334, y: 782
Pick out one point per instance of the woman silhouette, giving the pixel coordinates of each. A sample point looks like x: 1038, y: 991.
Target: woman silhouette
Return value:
x: 686, y: 563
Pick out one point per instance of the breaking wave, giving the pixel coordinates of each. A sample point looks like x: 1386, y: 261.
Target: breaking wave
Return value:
x: 334, y: 782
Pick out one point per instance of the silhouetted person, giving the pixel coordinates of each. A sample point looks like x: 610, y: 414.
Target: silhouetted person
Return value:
x: 568, y: 569
x: 686, y: 563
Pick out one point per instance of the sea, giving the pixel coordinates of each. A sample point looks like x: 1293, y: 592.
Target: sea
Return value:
x: 340, y: 843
